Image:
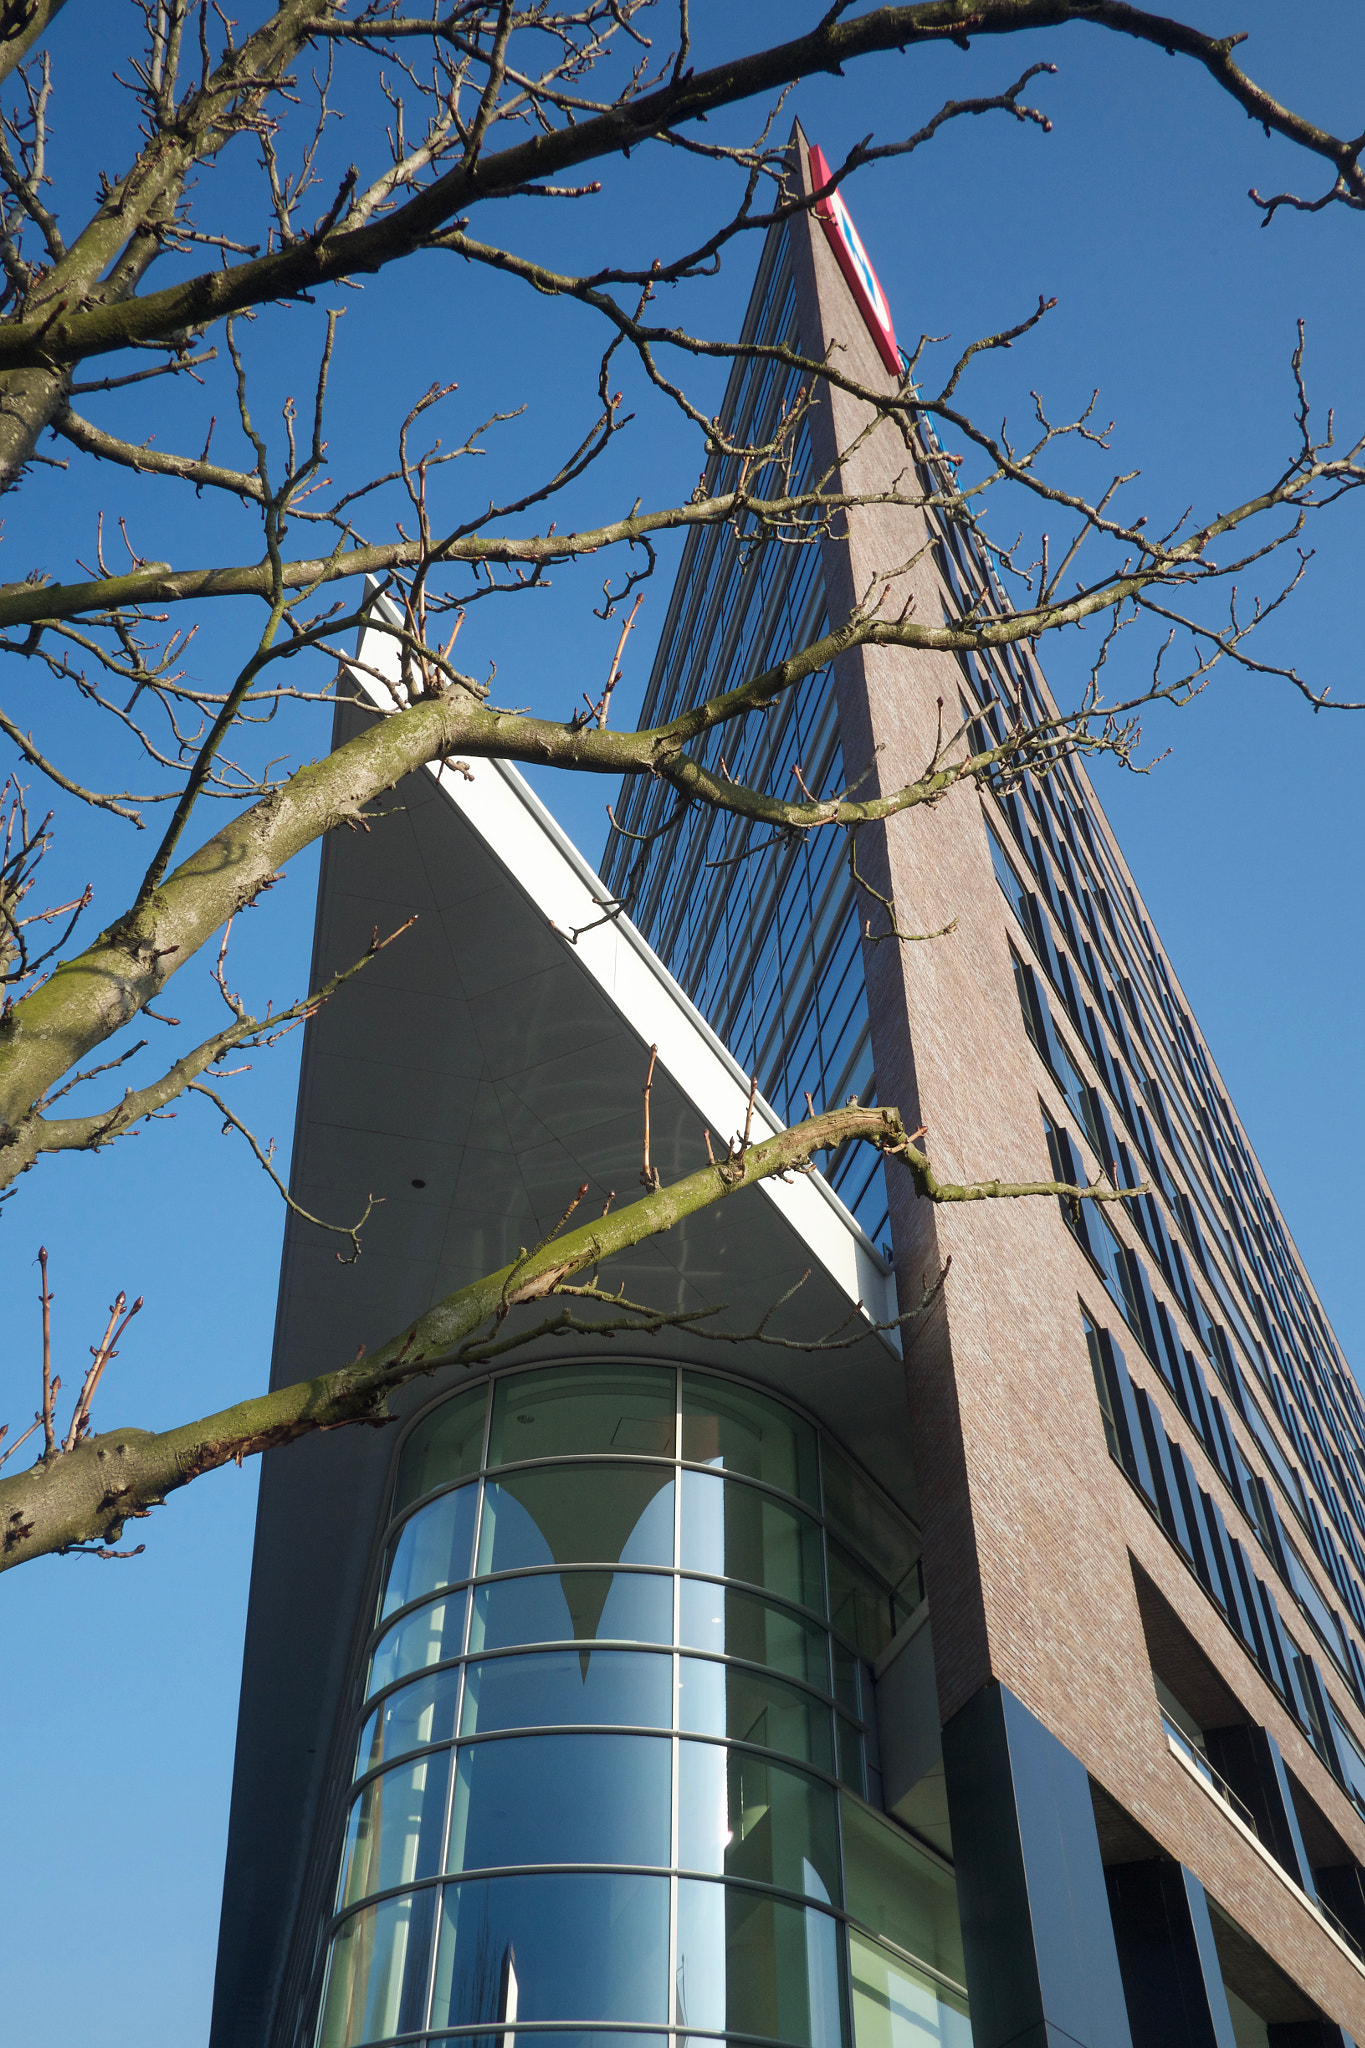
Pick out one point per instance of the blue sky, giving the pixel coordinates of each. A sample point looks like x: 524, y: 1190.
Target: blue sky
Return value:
x: 1245, y: 838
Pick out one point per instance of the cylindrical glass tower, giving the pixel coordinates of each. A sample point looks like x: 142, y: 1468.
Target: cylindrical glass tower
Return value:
x: 615, y: 1759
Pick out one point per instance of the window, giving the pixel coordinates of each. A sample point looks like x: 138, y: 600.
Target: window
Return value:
x: 411, y: 1718
x: 590, y: 1946
x: 572, y: 1607
x: 428, y: 1636
x: 755, y: 1965
x: 737, y: 1532
x: 567, y: 1688
x: 393, y: 1835
x: 447, y: 1445
x: 557, y: 1415
x: 561, y: 1799
x: 744, y: 1816
x: 1103, y: 1395
x: 432, y: 1549
x: 721, y: 1699
x: 577, y: 1514
x: 739, y: 1430
x: 537, y: 1802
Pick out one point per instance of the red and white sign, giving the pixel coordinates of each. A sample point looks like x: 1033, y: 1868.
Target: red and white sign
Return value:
x: 852, y: 259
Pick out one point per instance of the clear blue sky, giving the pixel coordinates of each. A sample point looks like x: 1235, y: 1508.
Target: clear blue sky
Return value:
x: 1245, y: 840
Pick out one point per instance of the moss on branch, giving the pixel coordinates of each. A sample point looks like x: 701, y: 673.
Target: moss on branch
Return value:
x: 87, y: 1495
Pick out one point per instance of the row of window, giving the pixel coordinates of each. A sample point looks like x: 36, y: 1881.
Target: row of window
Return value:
x: 560, y: 1819
x: 1126, y: 1277
x: 608, y: 1948
x: 592, y: 1686
x: 753, y: 1512
x: 761, y: 929
x: 1148, y: 1215
x: 1160, y: 1469
x: 1059, y: 809
x: 1294, y: 1329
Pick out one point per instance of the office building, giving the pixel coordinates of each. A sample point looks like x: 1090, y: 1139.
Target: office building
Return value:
x: 1005, y: 1685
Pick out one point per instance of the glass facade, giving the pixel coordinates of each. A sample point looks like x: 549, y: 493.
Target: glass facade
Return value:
x: 760, y: 929
x: 615, y: 1755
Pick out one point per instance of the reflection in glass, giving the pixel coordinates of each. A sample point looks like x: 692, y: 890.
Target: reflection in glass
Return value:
x: 867, y: 1523
x: 428, y: 1636
x: 561, y: 1799
x: 724, y: 1620
x: 573, y: 1688
x: 744, y: 1431
x: 847, y: 1686
x: 735, y: 1532
x: 567, y: 1607
x: 893, y: 1887
x: 755, y: 1965
x: 566, y: 1412
x: 741, y: 1816
x: 377, y: 1974
x: 411, y: 1718
x: 897, y: 2006
x: 446, y: 1445
x: 393, y: 1834
x: 432, y: 1549
x: 862, y: 1609
x: 564, y: 2037
x: 716, y: 1699
x: 848, y: 1743
x: 578, y: 1514
x: 586, y: 1947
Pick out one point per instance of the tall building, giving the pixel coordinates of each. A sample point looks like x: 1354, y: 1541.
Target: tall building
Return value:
x: 1007, y: 1692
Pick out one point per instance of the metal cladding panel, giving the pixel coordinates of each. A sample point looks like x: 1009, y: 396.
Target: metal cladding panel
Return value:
x: 1170, y: 1965
x: 1039, y: 1942
x: 475, y: 1075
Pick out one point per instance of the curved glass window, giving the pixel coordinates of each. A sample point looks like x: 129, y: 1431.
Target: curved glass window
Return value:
x: 565, y: 1413
x: 568, y: 1688
x: 896, y: 2005
x: 427, y: 1636
x: 860, y: 1606
x: 735, y: 1532
x: 377, y: 1973
x: 572, y: 1607
x: 741, y: 1816
x: 613, y: 1739
x: 751, y: 1964
x: 561, y: 1799
x: 432, y: 1549
x: 865, y: 1522
x: 582, y: 1947
x: 744, y: 1431
x: 725, y: 1699
x: 393, y: 1835
x: 577, y: 1514
x: 734, y: 1624
x: 895, y: 1888
x: 414, y: 1717
x: 446, y: 1445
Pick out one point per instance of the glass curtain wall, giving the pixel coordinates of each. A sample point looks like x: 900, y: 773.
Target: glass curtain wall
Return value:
x: 761, y: 929
x: 615, y: 1760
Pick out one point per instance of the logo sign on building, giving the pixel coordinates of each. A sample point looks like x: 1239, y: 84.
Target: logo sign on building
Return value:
x: 852, y: 259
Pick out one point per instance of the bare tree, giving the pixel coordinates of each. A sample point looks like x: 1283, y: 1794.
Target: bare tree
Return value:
x: 476, y: 104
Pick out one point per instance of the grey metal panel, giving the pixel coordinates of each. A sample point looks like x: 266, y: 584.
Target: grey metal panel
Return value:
x: 1041, y: 1962
x: 1170, y: 1964
x: 477, y: 1055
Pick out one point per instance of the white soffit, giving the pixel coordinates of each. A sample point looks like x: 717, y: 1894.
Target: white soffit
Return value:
x: 511, y: 820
